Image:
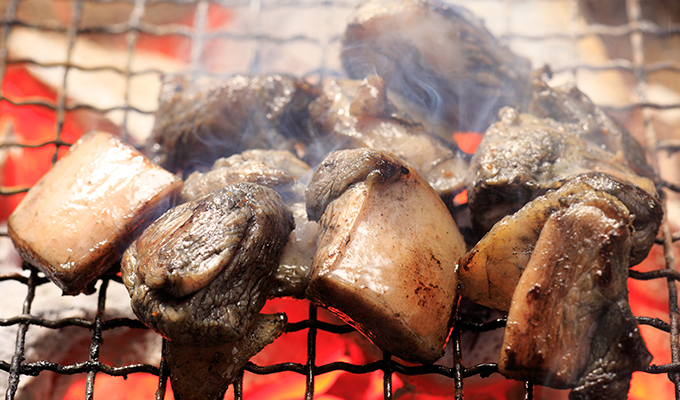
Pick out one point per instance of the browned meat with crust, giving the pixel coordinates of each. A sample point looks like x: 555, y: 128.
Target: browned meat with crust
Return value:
x: 361, y: 114
x: 522, y: 157
x: 570, y: 325
x: 201, y: 272
x: 387, y: 250
x: 279, y: 170
x: 440, y: 57
x: 77, y: 221
x: 197, y: 124
x: 205, y: 373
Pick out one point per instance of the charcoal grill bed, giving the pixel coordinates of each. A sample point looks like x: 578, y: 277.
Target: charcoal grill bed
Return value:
x: 263, y: 47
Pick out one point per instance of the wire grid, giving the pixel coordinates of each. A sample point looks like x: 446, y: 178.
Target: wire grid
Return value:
x: 636, y: 29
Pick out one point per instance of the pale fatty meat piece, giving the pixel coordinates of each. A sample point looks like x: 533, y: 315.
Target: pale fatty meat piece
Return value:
x: 203, y: 270
x: 77, y: 221
x: 205, y: 373
x: 197, y: 123
x: 570, y: 325
x: 522, y: 157
x: 360, y: 114
x: 490, y: 271
x: 387, y: 252
x: 439, y: 56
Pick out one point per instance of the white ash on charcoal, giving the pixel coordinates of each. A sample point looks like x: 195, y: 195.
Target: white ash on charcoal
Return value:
x: 70, y: 345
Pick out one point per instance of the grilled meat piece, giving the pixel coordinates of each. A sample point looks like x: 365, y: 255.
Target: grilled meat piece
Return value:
x: 387, y: 250
x: 201, y: 272
x: 570, y: 325
x: 361, y: 114
x: 490, y: 271
x: 197, y: 124
x: 77, y: 221
x: 440, y: 57
x: 281, y: 171
x: 205, y: 373
x: 275, y: 169
x: 572, y: 109
x: 522, y: 156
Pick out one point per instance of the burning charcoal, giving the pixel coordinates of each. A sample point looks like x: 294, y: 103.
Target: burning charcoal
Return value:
x: 197, y: 124
x: 570, y: 325
x: 278, y: 170
x: 387, y: 252
x: 361, y: 114
x: 76, y: 222
x: 440, y: 57
x: 201, y: 272
x: 205, y: 373
x: 522, y: 157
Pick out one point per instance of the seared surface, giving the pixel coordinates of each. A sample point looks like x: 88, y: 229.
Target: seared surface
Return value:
x: 275, y: 169
x: 195, y: 125
x: 490, y: 271
x: 77, y: 221
x: 387, y: 251
x: 522, y: 157
x: 205, y: 373
x: 441, y: 57
x: 201, y: 272
x: 570, y: 324
x: 360, y: 114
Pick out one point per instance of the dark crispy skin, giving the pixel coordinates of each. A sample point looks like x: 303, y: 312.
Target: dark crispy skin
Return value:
x: 275, y: 169
x: 195, y: 125
x: 522, y: 156
x: 341, y: 169
x: 201, y: 272
x: 570, y: 325
x: 205, y: 373
x: 571, y: 108
x: 440, y: 57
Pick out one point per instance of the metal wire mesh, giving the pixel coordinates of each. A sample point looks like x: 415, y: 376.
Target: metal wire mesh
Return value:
x: 262, y: 46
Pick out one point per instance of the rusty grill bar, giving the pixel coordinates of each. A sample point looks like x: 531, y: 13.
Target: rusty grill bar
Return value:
x: 636, y: 30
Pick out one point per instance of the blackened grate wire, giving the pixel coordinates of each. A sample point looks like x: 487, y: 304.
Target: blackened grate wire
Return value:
x: 135, y: 26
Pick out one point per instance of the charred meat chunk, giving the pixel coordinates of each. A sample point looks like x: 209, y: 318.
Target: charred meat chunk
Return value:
x: 361, y: 114
x: 202, y: 271
x: 199, y: 123
x: 276, y: 169
x: 522, y: 156
x: 570, y: 325
x: 205, y: 373
x: 490, y: 271
x: 386, y: 256
x: 572, y: 109
x: 77, y: 221
x: 281, y: 171
x: 440, y: 57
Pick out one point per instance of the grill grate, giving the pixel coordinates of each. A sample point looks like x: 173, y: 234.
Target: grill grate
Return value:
x: 198, y: 31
